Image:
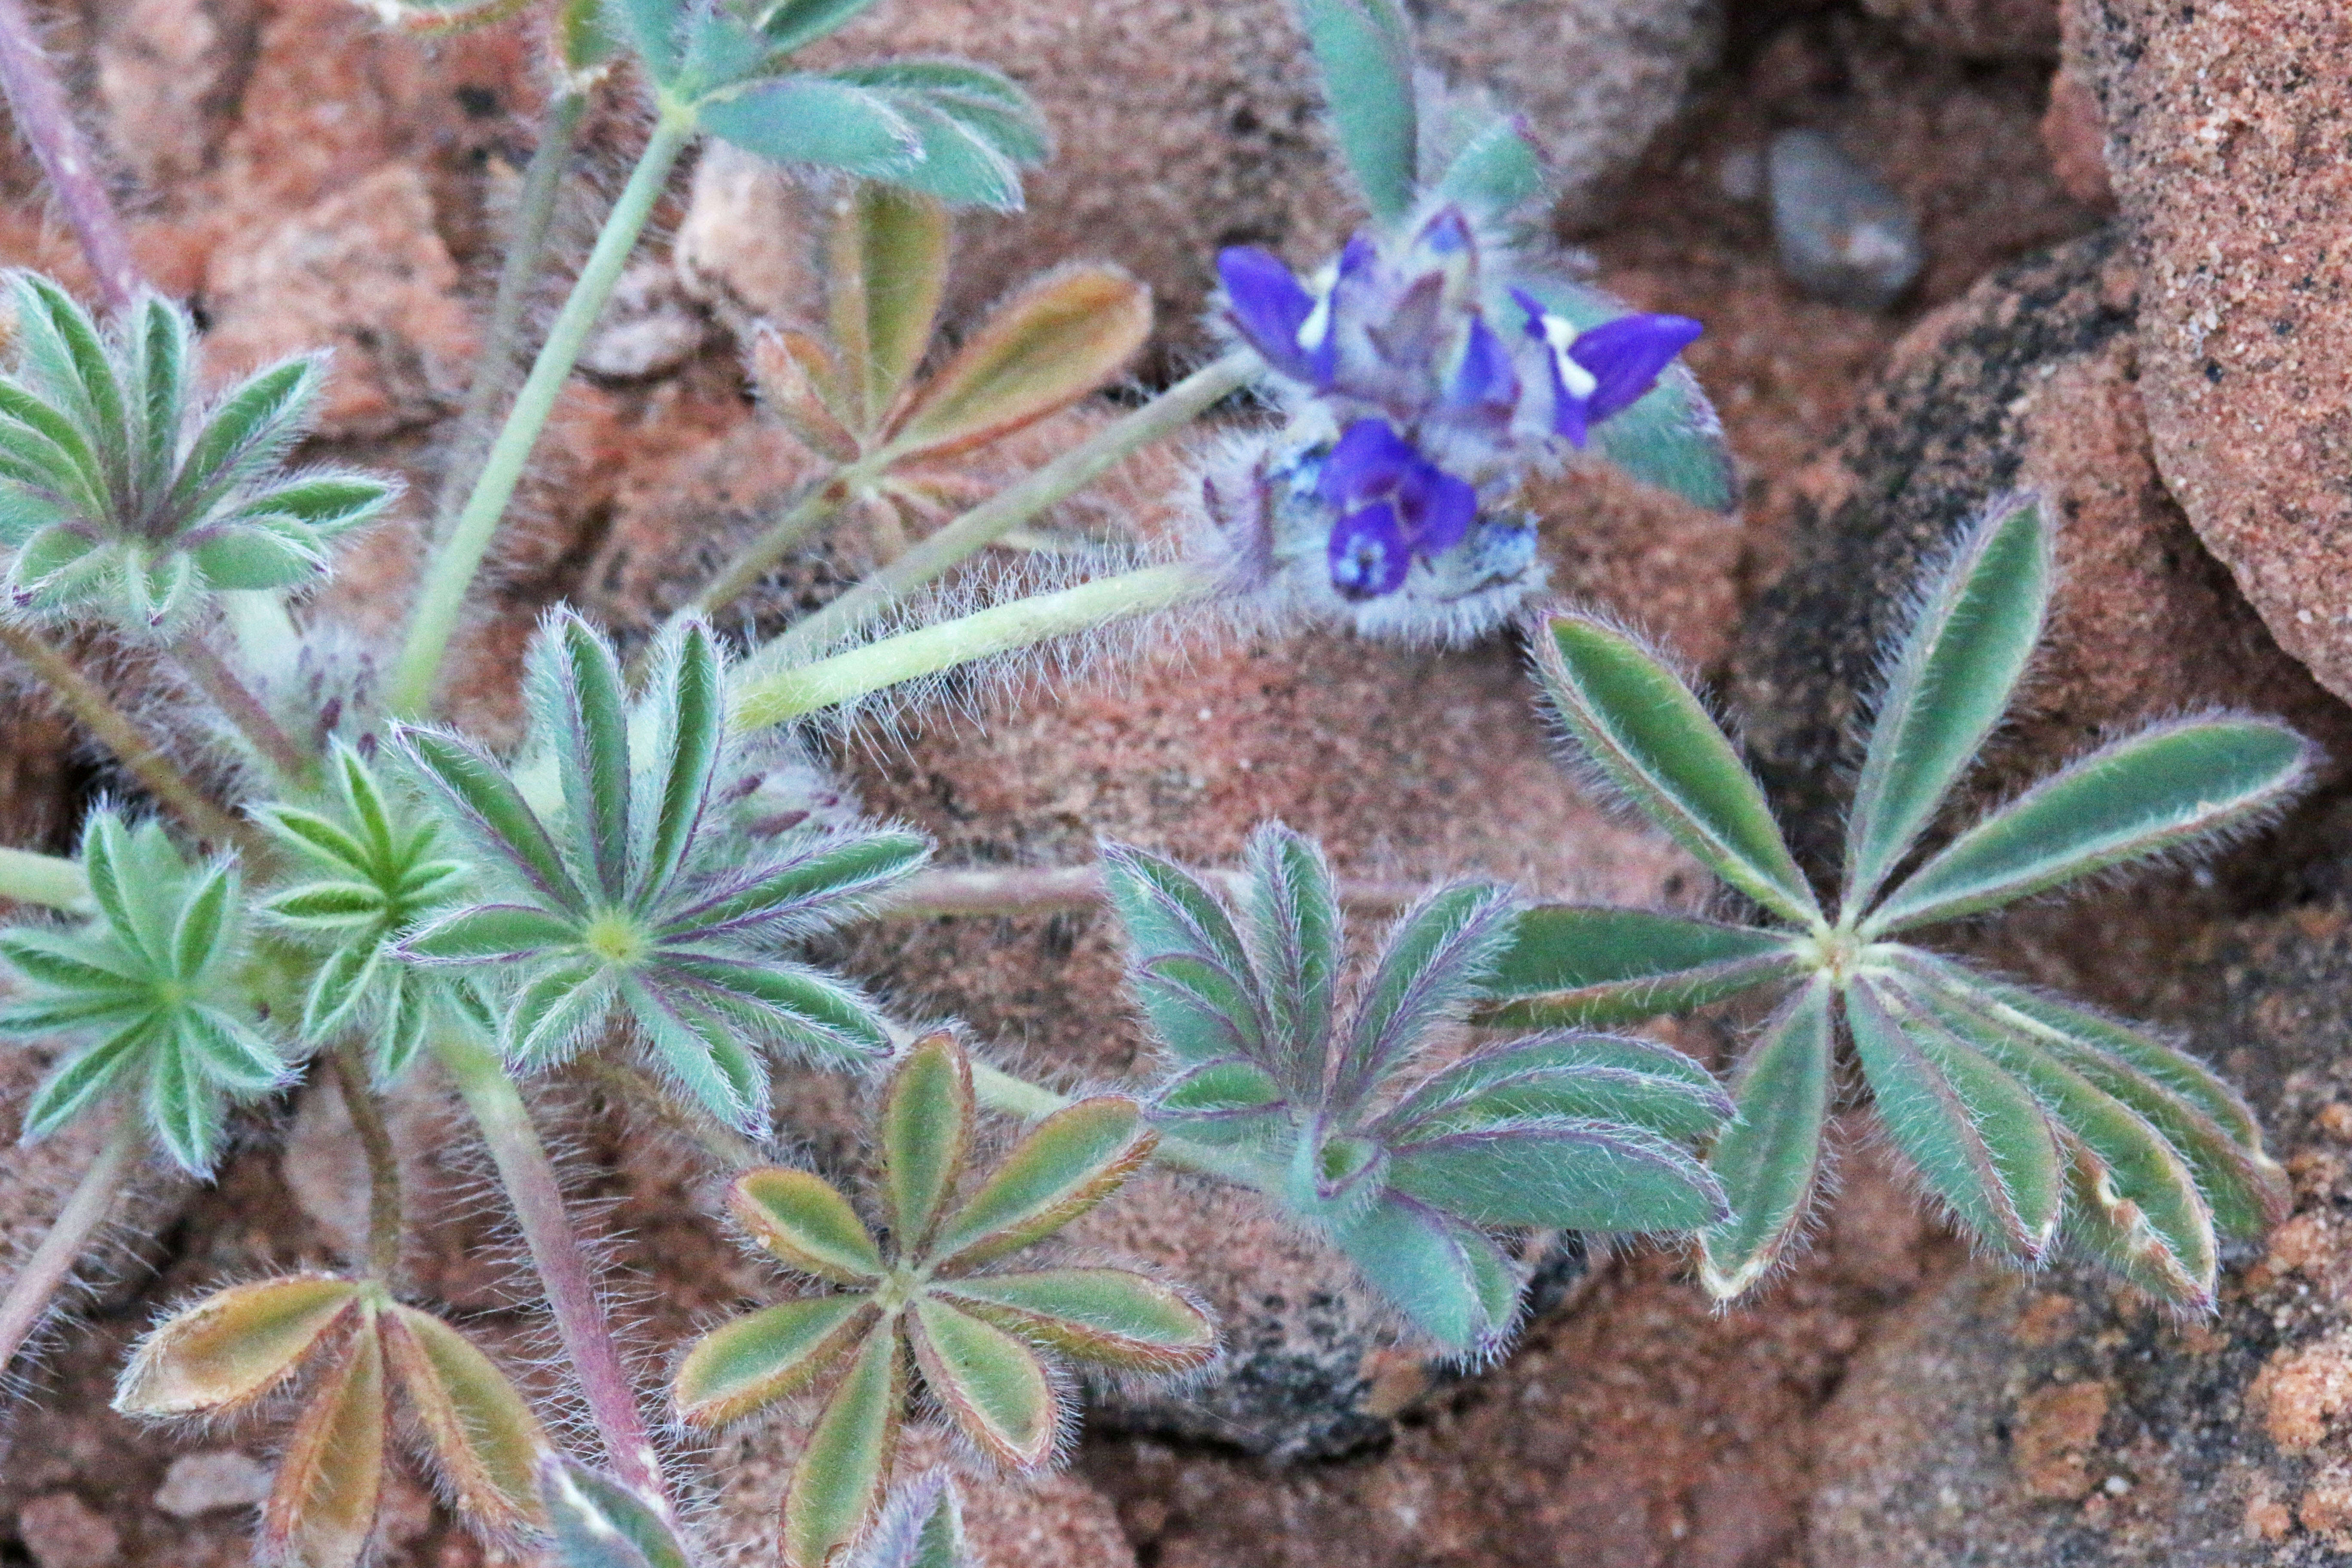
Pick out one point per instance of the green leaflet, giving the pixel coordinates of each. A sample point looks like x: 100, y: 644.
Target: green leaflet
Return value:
x: 1770, y: 1159
x: 1069, y: 1163
x: 233, y: 1347
x: 1973, y: 1133
x: 594, y: 1522
x: 2153, y: 792
x: 1455, y: 1284
x: 1568, y: 1174
x: 760, y: 1357
x: 1430, y: 972
x: 1642, y: 727
x: 807, y: 1224
x: 1364, y: 51
x: 1109, y: 1316
x: 1496, y: 171
x: 485, y: 1441
x: 792, y: 24
x: 992, y: 1382
x: 926, y: 1131
x: 1585, y: 966
x: 816, y: 120
x: 837, y: 1484
x: 1960, y: 663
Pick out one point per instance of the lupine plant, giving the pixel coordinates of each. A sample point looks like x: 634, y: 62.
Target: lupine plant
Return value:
x: 986, y: 1340
x: 1343, y: 1110
x: 334, y: 868
x: 2032, y: 1120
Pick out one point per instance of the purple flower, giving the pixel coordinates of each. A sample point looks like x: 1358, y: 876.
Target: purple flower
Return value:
x: 1271, y: 308
x: 1393, y: 504
x: 1604, y: 370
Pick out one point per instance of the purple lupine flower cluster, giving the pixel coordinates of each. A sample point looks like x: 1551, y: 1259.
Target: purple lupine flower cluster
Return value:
x: 1425, y: 382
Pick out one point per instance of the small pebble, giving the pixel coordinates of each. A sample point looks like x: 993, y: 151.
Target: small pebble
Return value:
x: 215, y: 1478
x: 1840, y: 233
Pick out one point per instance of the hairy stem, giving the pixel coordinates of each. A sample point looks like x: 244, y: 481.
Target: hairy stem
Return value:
x: 764, y: 699
x: 37, y: 100
x: 990, y: 521
x: 242, y: 708
x: 47, y: 880
x: 1004, y: 1092
x: 1039, y: 889
x: 819, y: 501
x: 383, y: 1160
x: 112, y: 728
x: 459, y: 558
x: 529, y: 1179
x: 494, y: 369
x: 52, y: 1264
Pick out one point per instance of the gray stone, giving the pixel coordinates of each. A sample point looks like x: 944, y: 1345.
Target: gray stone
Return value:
x: 1841, y: 233
x: 215, y: 1478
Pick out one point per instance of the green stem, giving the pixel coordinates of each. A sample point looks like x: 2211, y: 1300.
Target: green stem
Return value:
x: 36, y: 99
x: 45, y: 1273
x: 239, y: 705
x: 494, y: 369
x: 112, y: 728
x: 764, y: 699
x: 819, y: 501
x: 1008, y: 509
x: 383, y: 1160
x: 1002, y: 1091
x: 450, y: 577
x: 529, y: 1179
x: 45, y: 879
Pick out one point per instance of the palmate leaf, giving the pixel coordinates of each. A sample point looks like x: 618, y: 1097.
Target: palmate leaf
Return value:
x: 987, y: 1344
x: 1947, y: 687
x: 792, y: 24
x: 1591, y: 966
x: 2158, y: 791
x: 820, y: 120
x: 1348, y: 1129
x: 976, y: 129
x: 1650, y: 736
x: 921, y: 1527
x: 640, y: 901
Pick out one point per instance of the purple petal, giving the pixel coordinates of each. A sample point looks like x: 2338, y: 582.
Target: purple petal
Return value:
x: 1572, y: 415
x: 1534, y: 325
x: 1437, y: 510
x: 1268, y: 306
x: 1369, y: 556
x: 1486, y: 378
x: 1370, y: 460
x: 1625, y: 356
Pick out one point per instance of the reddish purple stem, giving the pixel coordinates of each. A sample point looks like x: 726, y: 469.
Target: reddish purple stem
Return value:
x: 38, y: 102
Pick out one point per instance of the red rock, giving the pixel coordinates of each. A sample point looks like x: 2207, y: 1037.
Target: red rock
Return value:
x: 2226, y: 128
x: 364, y: 272
x: 1976, y: 29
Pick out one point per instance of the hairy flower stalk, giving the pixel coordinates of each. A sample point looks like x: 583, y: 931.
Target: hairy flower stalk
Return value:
x: 36, y: 1285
